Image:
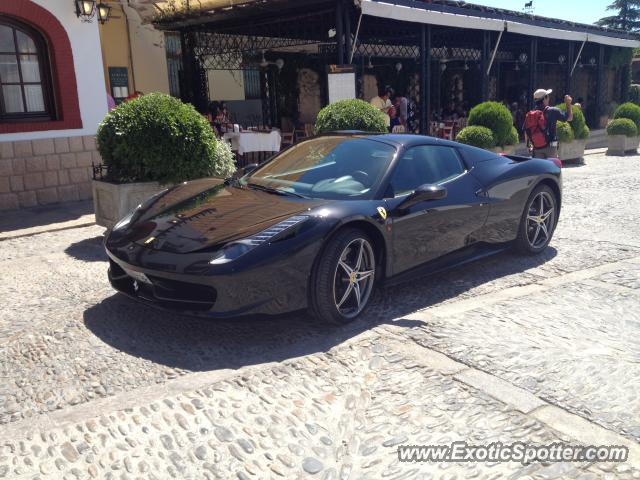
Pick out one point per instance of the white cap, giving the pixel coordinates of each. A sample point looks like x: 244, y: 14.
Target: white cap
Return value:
x: 541, y: 93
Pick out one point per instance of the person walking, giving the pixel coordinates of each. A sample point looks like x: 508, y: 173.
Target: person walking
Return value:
x: 540, y: 124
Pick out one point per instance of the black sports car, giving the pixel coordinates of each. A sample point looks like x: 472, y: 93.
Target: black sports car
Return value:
x: 324, y: 222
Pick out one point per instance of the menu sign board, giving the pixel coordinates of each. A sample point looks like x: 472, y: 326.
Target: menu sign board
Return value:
x: 119, y: 81
x: 341, y: 82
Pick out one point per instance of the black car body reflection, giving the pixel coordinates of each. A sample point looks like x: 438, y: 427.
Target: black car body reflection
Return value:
x: 257, y: 245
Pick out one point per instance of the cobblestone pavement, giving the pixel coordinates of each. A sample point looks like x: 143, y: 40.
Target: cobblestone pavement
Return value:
x: 507, y: 349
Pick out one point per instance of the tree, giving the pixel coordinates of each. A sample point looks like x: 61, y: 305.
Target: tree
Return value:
x: 627, y: 19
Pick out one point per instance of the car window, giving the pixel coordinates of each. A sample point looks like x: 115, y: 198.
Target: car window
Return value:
x: 426, y: 164
x: 332, y: 167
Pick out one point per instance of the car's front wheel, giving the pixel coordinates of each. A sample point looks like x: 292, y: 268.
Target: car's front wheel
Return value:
x: 538, y: 221
x: 344, y: 278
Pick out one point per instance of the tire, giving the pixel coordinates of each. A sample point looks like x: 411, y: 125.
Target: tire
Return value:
x: 340, y: 288
x: 536, y: 231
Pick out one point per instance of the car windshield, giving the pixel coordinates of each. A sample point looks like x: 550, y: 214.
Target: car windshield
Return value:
x: 335, y: 167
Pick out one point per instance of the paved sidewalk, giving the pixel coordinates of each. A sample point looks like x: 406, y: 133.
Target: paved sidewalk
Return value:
x: 533, y: 349
x: 31, y: 221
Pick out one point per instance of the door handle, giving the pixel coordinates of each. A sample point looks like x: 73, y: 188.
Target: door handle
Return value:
x: 482, y: 193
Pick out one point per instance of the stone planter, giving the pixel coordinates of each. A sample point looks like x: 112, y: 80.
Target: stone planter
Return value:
x: 112, y: 201
x: 572, y: 150
x: 620, y: 144
x: 507, y: 149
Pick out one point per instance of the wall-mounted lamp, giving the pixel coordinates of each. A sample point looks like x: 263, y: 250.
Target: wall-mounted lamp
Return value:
x: 87, y: 9
x: 104, y: 12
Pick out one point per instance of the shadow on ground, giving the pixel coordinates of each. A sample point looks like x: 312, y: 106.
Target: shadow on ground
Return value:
x: 88, y: 250
x: 196, y: 344
x: 45, y: 215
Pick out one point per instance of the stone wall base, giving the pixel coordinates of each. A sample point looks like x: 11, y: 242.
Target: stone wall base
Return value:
x: 46, y: 171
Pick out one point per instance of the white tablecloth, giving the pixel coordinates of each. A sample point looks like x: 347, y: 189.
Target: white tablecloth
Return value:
x: 245, y: 142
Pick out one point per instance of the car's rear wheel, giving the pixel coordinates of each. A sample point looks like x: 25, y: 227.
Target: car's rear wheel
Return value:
x: 344, y: 277
x: 538, y: 221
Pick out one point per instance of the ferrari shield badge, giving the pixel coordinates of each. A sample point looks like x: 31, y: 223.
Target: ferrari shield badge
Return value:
x: 382, y: 212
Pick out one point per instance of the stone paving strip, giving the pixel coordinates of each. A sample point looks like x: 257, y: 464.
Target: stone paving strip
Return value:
x: 538, y: 343
x: 339, y: 414
x: 574, y: 426
x: 543, y: 285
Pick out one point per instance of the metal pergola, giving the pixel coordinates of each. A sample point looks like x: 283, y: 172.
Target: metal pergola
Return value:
x: 329, y: 32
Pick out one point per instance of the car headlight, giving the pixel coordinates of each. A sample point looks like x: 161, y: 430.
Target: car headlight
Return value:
x: 236, y: 249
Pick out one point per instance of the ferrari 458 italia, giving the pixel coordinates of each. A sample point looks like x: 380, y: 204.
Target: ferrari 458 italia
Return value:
x: 326, y: 221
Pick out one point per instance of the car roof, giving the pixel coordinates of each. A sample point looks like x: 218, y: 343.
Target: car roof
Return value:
x: 397, y: 139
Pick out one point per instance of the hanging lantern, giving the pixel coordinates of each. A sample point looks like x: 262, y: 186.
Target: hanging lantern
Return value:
x: 85, y: 9
x: 104, y: 11
x: 562, y: 59
x: 523, y: 57
x: 398, y: 67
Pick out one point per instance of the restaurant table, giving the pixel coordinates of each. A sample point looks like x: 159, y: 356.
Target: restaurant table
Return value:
x: 249, y: 141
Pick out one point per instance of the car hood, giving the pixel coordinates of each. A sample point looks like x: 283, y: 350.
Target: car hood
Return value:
x: 206, y: 214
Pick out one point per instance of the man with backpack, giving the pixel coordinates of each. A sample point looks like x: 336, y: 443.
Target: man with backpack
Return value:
x: 541, y: 123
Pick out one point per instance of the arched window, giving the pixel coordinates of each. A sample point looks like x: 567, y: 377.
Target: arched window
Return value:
x: 25, y: 78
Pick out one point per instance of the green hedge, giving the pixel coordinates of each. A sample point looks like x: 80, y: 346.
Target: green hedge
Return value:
x: 497, y: 118
x: 628, y: 110
x: 350, y: 115
x: 622, y: 126
x: 514, y: 138
x: 477, y: 136
x: 634, y: 94
x: 578, y: 124
x: 565, y: 132
x: 156, y: 137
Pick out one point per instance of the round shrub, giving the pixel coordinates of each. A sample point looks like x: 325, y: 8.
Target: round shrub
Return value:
x: 477, y: 136
x: 350, y: 115
x: 158, y: 138
x: 496, y: 117
x: 514, y: 138
x: 565, y: 132
x: 578, y: 124
x: 628, y: 110
x: 622, y: 126
x: 634, y: 94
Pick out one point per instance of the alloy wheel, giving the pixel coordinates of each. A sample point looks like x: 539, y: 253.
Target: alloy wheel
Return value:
x: 354, y: 278
x: 540, y: 219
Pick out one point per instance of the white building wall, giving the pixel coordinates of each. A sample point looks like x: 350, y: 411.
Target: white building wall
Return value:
x: 87, y: 59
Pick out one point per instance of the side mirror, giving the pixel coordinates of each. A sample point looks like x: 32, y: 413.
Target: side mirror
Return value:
x: 249, y: 168
x: 422, y: 194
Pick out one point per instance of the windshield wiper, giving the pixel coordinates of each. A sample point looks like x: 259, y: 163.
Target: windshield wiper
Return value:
x: 275, y: 191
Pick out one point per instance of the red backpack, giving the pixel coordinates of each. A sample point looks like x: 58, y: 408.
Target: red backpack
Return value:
x: 535, y: 124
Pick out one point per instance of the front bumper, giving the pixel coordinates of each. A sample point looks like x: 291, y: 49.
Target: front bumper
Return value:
x: 183, y: 283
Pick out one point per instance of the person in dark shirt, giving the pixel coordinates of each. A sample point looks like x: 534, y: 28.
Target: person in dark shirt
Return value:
x: 552, y: 115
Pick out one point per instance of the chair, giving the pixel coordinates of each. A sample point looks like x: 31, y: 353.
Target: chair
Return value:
x: 309, y: 129
x: 448, y: 131
x: 287, y: 139
x: 299, y: 134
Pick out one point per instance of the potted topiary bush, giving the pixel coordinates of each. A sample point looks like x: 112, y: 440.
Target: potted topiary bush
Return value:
x: 350, y: 115
x: 634, y: 94
x: 622, y: 136
x: 497, y: 118
x: 147, y: 143
x: 571, y: 147
x: 477, y: 136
